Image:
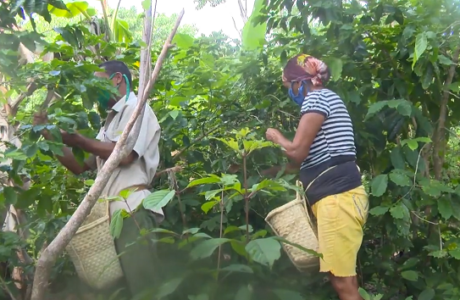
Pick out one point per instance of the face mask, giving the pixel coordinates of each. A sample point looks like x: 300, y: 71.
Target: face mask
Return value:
x: 104, y: 96
x: 298, y: 99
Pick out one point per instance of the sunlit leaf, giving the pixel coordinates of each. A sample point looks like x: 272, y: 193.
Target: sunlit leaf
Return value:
x: 205, y: 180
x: 253, y: 35
x: 183, y: 41
x: 207, y: 206
x: 73, y: 9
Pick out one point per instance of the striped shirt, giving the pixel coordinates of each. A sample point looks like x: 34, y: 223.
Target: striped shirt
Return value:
x: 336, y: 137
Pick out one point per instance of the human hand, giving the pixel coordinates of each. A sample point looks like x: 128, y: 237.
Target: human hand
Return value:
x: 273, y: 135
x: 69, y: 139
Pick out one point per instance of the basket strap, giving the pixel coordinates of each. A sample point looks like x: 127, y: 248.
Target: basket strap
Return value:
x: 304, y: 197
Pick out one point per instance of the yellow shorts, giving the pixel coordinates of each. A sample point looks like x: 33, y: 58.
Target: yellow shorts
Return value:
x: 340, y: 221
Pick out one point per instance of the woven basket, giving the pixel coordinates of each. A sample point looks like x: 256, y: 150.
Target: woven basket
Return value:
x: 293, y: 223
x: 92, y: 250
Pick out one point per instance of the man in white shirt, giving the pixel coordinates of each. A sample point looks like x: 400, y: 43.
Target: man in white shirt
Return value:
x: 136, y: 171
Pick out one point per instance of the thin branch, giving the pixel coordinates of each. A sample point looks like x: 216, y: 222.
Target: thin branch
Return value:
x: 388, y: 55
x: 146, y: 58
x: 16, y: 102
x: 108, y: 31
x: 180, y: 152
x: 7, y: 289
x: 221, y: 231
x: 122, y: 148
x: 438, y: 138
x: 236, y: 28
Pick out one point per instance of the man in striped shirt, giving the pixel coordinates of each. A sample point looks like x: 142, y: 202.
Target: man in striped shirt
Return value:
x: 324, y: 148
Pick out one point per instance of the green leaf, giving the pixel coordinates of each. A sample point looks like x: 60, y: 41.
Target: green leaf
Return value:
x: 288, y: 295
x: 207, y: 206
x: 116, y: 224
x: 335, y: 65
x: 237, y: 268
x: 169, y: 287
x: 413, y: 145
x: 410, y: 263
x: 73, y: 9
x: 399, y: 211
x: 421, y: 44
x: 122, y: 32
x: 199, y: 297
x: 364, y: 294
x: 126, y: 193
x: 445, y: 208
x: 207, y: 248
x: 238, y: 247
x: 146, y: 4
x: 405, y: 108
x: 455, y: 204
x: 183, y: 41
x: 158, y: 199
x: 244, y: 293
x: 427, y: 294
x: 264, y: 251
x: 379, y: 185
x: 397, y: 158
x: 230, y: 142
x: 31, y: 150
x: 455, y: 253
x: 205, y: 180
x: 410, y: 275
x: 10, y: 195
x: 251, y: 145
x: 375, y: 108
x: 379, y: 210
x: 432, y: 188
x: 253, y: 36
x: 400, y: 179
x: 445, y: 60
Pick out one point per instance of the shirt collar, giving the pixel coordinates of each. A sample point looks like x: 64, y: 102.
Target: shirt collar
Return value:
x: 123, y: 102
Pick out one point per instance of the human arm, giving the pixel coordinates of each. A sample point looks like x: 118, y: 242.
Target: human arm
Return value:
x: 315, y: 111
x: 103, y: 149
x: 68, y: 160
x: 97, y: 148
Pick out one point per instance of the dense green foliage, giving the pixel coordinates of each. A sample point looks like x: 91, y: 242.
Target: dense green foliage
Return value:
x: 394, y: 64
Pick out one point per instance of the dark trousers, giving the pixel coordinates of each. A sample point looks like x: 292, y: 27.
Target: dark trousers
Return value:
x: 137, y: 252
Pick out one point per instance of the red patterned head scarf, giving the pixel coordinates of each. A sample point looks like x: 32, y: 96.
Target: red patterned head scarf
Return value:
x: 306, y: 67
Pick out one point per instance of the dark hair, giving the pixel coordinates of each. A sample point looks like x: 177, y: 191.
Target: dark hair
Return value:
x: 115, y: 66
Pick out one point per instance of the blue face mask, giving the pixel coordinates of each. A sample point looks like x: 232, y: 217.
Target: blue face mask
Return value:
x: 298, y: 99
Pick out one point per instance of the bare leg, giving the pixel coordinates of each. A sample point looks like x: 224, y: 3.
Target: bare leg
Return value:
x: 346, y: 287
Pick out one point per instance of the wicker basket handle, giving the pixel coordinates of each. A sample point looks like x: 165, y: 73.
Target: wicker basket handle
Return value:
x: 299, y: 184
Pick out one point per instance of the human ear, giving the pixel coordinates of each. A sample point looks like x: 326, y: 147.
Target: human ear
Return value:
x: 117, y: 79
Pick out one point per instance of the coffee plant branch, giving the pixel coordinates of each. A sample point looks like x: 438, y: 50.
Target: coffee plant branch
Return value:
x: 438, y: 145
x: 57, y: 246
